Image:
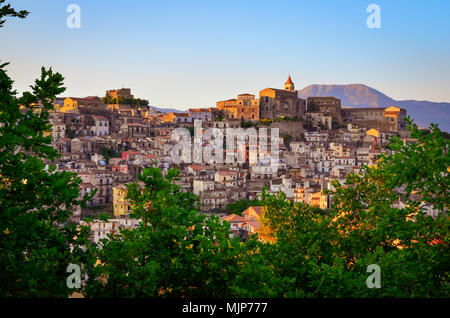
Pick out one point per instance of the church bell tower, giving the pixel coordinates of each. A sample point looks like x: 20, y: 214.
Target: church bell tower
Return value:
x: 289, y: 85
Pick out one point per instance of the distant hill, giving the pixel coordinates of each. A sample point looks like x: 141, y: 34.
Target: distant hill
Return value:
x: 168, y: 110
x: 359, y: 95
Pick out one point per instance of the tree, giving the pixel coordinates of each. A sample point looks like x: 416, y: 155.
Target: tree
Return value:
x: 108, y: 153
x: 421, y: 166
x: 35, y: 200
x: 287, y: 139
x: 134, y: 102
x: 246, y: 124
x: 7, y: 10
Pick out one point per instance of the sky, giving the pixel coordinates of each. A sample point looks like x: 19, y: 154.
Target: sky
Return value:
x: 183, y: 54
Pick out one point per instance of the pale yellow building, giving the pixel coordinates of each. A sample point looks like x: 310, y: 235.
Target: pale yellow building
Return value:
x: 319, y: 199
x: 72, y: 104
x: 121, y: 205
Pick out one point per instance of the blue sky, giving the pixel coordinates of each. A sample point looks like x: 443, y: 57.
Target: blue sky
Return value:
x: 193, y: 53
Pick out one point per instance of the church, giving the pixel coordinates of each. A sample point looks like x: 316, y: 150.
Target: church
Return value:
x: 275, y: 103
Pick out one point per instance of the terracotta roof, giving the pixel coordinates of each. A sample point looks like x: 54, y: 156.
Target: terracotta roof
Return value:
x: 257, y: 209
x: 203, y: 110
x: 121, y: 187
x: 289, y: 80
x: 196, y: 167
x: 233, y: 218
x: 99, y: 117
x: 253, y: 224
x: 246, y: 94
x: 226, y: 173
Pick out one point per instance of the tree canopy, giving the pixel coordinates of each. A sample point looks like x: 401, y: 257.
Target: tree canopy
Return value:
x: 134, y: 102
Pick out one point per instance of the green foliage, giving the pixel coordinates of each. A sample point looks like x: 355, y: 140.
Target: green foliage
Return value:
x: 287, y: 139
x: 109, y: 153
x: 134, y: 102
x: 191, y: 130
x: 246, y: 124
x: 6, y: 10
x: 35, y: 201
x: 422, y: 166
x: 335, y: 125
x: 265, y: 122
x: 444, y: 134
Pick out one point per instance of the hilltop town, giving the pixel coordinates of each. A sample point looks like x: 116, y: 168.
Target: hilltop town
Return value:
x: 108, y: 141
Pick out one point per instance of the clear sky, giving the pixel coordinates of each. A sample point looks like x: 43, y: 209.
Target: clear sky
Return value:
x: 192, y: 53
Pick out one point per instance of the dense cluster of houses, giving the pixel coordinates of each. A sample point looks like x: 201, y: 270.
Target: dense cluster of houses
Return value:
x: 108, y: 145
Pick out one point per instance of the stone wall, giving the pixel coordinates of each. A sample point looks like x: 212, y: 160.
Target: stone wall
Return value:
x: 295, y: 129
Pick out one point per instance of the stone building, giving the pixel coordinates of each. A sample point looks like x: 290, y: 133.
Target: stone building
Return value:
x: 96, y: 125
x: 387, y: 119
x: 121, y: 92
x: 81, y: 144
x: 327, y: 105
x: 244, y: 107
x: 73, y: 104
x: 275, y: 103
x: 135, y: 130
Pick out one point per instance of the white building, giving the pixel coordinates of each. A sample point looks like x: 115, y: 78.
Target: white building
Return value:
x: 203, y: 114
x: 97, y: 125
x: 101, y: 229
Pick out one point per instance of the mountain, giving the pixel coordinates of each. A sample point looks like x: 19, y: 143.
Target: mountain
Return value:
x: 359, y: 95
x: 167, y: 110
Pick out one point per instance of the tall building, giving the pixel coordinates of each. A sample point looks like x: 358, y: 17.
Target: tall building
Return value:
x: 289, y: 85
x: 285, y: 102
x: 121, y: 205
x: 121, y: 92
